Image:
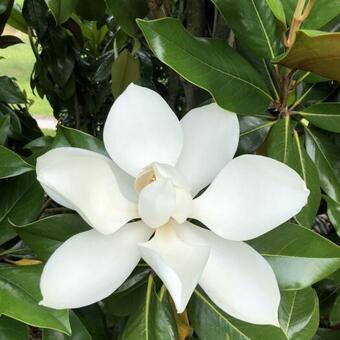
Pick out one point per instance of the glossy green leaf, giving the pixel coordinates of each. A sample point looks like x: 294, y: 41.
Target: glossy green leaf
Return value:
x: 11, y: 164
x: 299, y: 313
x: 210, y: 322
x: 254, y: 25
x: 325, y: 154
x: 11, y: 329
x: 46, y: 235
x: 5, y: 11
x: 125, y: 70
x: 35, y: 13
x: 314, y: 51
x: 299, y: 257
x: 333, y: 212
x: 325, y: 116
x: 285, y: 145
x: 9, y: 40
x: 152, y: 320
x: 130, y: 295
x: 93, y: 318
x: 278, y: 10
x: 10, y: 92
x: 209, y: 64
x: 20, y: 295
x: 79, y: 332
x: 61, y: 9
x: 24, y: 198
x: 253, y: 131
x: 280, y: 140
x: 126, y: 12
x: 71, y: 137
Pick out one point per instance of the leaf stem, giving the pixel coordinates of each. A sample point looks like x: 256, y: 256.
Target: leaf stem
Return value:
x: 300, y: 15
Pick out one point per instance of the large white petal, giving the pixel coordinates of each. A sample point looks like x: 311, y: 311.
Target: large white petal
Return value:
x: 236, y: 278
x: 85, y: 181
x: 90, y: 266
x: 210, y: 139
x: 157, y: 202
x: 249, y: 197
x: 141, y: 129
x: 179, y: 264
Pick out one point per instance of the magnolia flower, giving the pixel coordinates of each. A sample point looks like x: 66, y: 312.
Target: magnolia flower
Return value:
x: 158, y: 167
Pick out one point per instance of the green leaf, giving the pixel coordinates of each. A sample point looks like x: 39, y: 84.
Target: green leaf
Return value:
x: 299, y: 257
x: 125, y: 70
x: 16, y: 20
x: 46, y: 235
x: 284, y: 145
x: 79, y: 332
x: 24, y: 197
x: 126, y: 12
x: 253, y: 131
x: 9, y: 40
x: 210, y: 322
x: 254, y: 25
x: 209, y: 64
x: 12, y: 329
x: 325, y: 154
x: 62, y: 9
x: 5, y: 10
x: 333, y: 212
x: 93, y: 318
x: 130, y: 295
x: 10, y: 92
x: 325, y: 116
x: 153, y: 320
x: 71, y: 137
x: 11, y: 164
x: 35, y: 13
x: 278, y: 10
x: 20, y: 295
x: 299, y: 313
x: 280, y: 140
x: 314, y: 51
x: 334, y: 315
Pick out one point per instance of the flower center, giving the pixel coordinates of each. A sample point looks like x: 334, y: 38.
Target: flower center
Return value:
x: 163, y: 194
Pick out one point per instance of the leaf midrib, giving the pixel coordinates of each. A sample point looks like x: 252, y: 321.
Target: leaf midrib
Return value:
x: 20, y: 288
x: 264, y: 30
x: 219, y: 314
x: 215, y: 68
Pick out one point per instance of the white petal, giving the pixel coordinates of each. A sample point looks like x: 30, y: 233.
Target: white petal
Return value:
x: 210, y: 139
x: 141, y: 129
x: 90, y: 266
x: 157, y: 202
x: 85, y: 181
x: 249, y: 197
x: 179, y: 264
x: 183, y: 205
x: 236, y: 278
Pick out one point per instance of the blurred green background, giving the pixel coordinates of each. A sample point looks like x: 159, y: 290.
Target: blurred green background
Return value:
x: 18, y: 63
